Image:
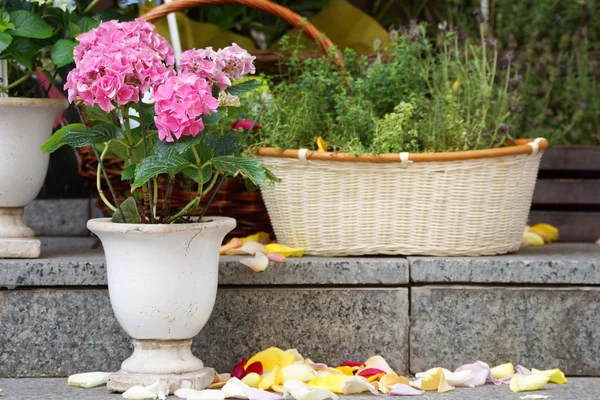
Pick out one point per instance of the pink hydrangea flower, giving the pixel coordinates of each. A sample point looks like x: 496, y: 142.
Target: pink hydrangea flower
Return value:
x: 221, y: 67
x: 179, y: 104
x: 117, y: 62
x: 235, y: 62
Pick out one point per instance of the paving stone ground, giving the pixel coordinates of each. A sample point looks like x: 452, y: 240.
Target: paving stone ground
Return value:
x: 57, y: 389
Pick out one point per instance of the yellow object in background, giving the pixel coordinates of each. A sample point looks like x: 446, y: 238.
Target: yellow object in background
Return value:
x: 284, y: 250
x: 197, y: 35
x: 548, y: 232
x: 321, y: 145
x: 347, y: 26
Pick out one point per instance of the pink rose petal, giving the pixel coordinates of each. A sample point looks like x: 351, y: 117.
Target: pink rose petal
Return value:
x: 260, y: 394
x: 404, y: 390
x: 276, y: 257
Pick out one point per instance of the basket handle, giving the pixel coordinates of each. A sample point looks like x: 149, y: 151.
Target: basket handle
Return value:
x: 263, y: 5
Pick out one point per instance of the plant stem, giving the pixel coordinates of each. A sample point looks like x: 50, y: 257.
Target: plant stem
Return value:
x: 98, y: 181
x: 101, y: 164
x: 237, y: 152
x: 148, y: 184
x: 90, y: 6
x: 166, y: 209
x: 184, y: 211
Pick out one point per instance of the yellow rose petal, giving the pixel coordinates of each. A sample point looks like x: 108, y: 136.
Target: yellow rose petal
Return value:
x: 432, y: 382
x: 376, y: 377
x: 275, y: 378
x: 271, y: 357
x: 300, y: 372
x: 284, y: 250
x: 321, y: 145
x: 502, y: 371
x: 333, y: 371
x: 391, y: 380
x: 533, y: 239
x: 548, y: 232
x: 554, y: 375
x: 346, y: 370
x: 522, y: 383
x: 260, y: 237
x: 332, y: 382
x: 252, y: 379
x: 444, y: 387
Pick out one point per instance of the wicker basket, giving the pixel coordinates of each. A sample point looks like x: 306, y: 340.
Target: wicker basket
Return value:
x: 444, y: 204
x: 233, y: 198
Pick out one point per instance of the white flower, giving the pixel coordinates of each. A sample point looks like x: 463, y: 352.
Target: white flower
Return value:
x: 65, y: 5
x: 40, y: 2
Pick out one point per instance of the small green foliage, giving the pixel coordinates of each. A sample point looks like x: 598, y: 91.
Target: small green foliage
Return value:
x: 130, y: 211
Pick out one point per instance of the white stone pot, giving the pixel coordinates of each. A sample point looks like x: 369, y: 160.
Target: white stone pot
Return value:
x: 25, y: 124
x: 162, y: 281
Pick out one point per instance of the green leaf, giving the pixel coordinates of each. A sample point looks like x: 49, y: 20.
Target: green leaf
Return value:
x: 100, y: 133
x: 192, y: 173
x: 74, y: 29
x: 155, y: 165
x: 248, y: 167
x: 96, y: 114
x: 128, y: 173
x: 169, y: 149
x: 87, y: 24
x: 29, y: 25
x: 129, y: 208
x: 5, y: 41
x: 243, y: 87
x: 5, y: 23
x: 57, y: 140
x: 214, y: 118
x: 271, y: 176
x: 23, y: 50
x: 221, y: 145
x: 62, y: 52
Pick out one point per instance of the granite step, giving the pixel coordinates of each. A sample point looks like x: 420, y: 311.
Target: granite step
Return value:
x: 537, y: 308
x: 57, y: 389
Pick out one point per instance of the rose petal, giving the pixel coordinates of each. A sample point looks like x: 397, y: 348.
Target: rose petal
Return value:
x: 374, y: 378
x: 480, y: 373
x: 301, y: 391
x: 333, y: 382
x: 351, y: 364
x: 284, y: 250
x: 259, y: 394
x: 260, y: 237
x: 259, y: 263
x: 207, y: 394
x: 404, y: 390
x: 273, y: 379
x: 391, y: 380
x: 252, y: 379
x: 160, y: 388
x: 232, y: 244
x: 247, y: 248
x: 271, y: 357
x: 554, y: 375
x: 234, y: 388
x: 297, y: 356
x: 276, y: 257
x: 318, y: 366
x: 534, y: 397
x: 346, y: 370
x: 371, y: 371
x: 88, y: 379
x: 502, y: 371
x: 379, y: 363
x: 522, y: 383
x: 185, y: 393
x: 357, y: 384
x: 299, y: 372
x: 139, y: 393
x: 522, y: 370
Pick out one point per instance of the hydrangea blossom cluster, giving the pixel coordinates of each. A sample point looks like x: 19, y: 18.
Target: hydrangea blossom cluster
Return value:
x: 182, y: 100
x: 117, y: 62
x: 178, y: 104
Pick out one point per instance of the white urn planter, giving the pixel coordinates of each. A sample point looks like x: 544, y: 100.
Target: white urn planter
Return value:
x: 25, y: 124
x: 162, y: 282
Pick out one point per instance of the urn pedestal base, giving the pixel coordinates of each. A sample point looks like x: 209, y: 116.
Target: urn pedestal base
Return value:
x: 16, y: 238
x: 168, y: 361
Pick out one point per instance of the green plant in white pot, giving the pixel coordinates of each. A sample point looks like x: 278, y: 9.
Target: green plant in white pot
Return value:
x: 162, y: 268
x: 36, y: 42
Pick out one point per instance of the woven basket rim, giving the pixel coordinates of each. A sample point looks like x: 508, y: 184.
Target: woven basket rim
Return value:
x: 516, y: 147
